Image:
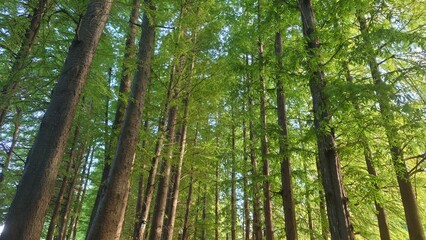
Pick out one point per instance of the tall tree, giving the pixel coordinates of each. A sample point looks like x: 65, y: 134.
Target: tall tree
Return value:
x: 337, y: 202
x: 28, y: 209
x: 108, y: 221
x: 412, y: 216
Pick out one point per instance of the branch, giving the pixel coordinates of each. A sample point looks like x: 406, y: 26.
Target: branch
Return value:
x: 8, y: 49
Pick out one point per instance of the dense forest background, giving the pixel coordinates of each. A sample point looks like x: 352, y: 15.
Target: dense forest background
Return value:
x: 203, y: 119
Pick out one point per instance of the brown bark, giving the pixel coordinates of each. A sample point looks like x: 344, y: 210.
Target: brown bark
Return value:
x: 188, y: 206
x: 332, y: 179
x: 26, y: 215
x: 216, y: 201
x: 178, y: 173
x: 412, y: 216
x: 257, y: 224
x: 109, y: 217
x: 368, y: 156
x: 64, y: 184
x: 267, y: 206
x: 245, y: 186
x: 141, y: 184
x: 286, y: 184
x: 233, y: 189
x: 9, y: 90
x: 204, y: 216
x: 124, y: 89
x: 163, y: 185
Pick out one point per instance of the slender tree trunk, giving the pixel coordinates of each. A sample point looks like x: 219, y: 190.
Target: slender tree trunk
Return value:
x: 233, y: 189
x: 412, y: 216
x: 267, y: 205
x: 26, y: 214
x: 204, y: 215
x: 71, y: 190
x: 188, y: 205
x: 308, y: 204
x: 129, y: 53
x: 332, y: 179
x: 141, y: 184
x: 108, y: 221
x: 11, y: 150
x: 182, y: 146
x: 64, y: 184
x: 11, y: 86
x: 85, y: 179
x: 245, y: 185
x: 216, y: 200
x: 257, y: 224
x: 368, y: 156
x: 163, y: 185
x: 287, y: 187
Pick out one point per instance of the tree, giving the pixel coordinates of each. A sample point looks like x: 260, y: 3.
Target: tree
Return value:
x: 28, y: 209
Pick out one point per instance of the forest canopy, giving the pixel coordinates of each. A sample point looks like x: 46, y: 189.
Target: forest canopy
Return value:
x: 203, y: 119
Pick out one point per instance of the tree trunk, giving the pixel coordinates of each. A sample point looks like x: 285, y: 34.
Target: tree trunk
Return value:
x: 412, y: 216
x: 216, y: 201
x: 108, y: 221
x: 129, y: 53
x: 233, y: 189
x: 182, y: 145
x: 11, y: 150
x: 332, y: 179
x: 267, y: 205
x: 9, y: 90
x: 245, y: 185
x: 368, y: 156
x: 163, y: 185
x: 188, y: 205
x: 26, y: 214
x: 141, y: 184
x: 64, y: 184
x: 257, y: 223
x: 286, y: 184
x: 204, y: 215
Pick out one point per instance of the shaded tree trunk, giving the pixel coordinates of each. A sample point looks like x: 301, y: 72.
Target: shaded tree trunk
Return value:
x: 11, y: 86
x: 412, y: 216
x: 108, y: 221
x: 26, y: 214
x: 64, y: 184
x: 124, y: 89
x: 233, y: 189
x: 245, y: 185
x: 329, y: 162
x: 188, y: 206
x: 216, y: 200
x: 17, y: 125
x: 286, y: 184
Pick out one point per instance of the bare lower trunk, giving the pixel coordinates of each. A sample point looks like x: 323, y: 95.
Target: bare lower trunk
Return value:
x: 216, y: 203
x: 245, y: 185
x: 188, y: 207
x: 9, y: 90
x: 163, y: 185
x: 337, y: 202
x: 26, y: 214
x: 233, y: 190
x: 286, y: 184
x: 108, y: 221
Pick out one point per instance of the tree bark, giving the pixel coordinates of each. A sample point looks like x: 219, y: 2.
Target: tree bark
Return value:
x: 412, y: 216
x: 11, y: 150
x: 245, y: 185
x: 108, y: 221
x: 368, y: 156
x: 188, y: 206
x: 9, y: 90
x: 286, y: 184
x: 124, y: 89
x: 332, y: 179
x: 26, y: 214
x: 233, y: 189
x: 163, y: 185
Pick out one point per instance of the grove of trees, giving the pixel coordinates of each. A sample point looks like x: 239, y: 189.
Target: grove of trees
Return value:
x: 203, y: 119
